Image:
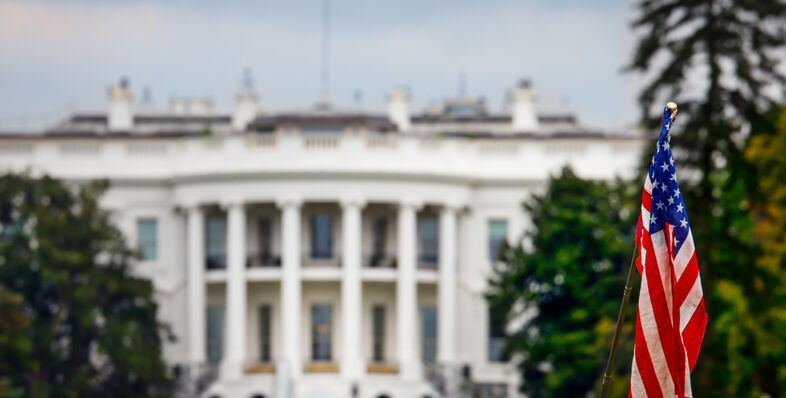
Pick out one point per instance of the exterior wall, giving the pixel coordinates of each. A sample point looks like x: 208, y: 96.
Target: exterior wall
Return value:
x: 321, y: 293
x: 161, y: 178
x: 379, y: 293
x: 263, y: 293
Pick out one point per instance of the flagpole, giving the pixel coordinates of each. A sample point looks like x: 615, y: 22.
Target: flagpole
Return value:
x: 604, y: 389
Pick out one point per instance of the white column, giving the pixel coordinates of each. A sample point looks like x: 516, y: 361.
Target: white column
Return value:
x: 235, y: 343
x: 196, y: 287
x: 290, y: 284
x: 446, y: 342
x: 406, y: 291
x: 351, y: 290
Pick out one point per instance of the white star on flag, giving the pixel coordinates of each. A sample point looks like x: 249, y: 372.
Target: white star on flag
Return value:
x: 671, y: 317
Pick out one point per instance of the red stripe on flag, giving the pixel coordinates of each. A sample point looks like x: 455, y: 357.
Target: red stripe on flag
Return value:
x: 644, y: 362
x: 660, y: 306
x: 686, y: 282
x: 694, y: 333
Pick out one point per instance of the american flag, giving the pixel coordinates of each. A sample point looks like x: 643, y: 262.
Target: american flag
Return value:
x: 671, y: 318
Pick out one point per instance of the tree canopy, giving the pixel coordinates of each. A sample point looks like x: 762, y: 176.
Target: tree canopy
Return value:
x: 719, y: 60
x: 567, y: 287
x: 74, y: 321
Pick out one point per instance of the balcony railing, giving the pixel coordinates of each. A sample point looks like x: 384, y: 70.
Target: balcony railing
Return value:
x: 263, y: 260
x: 252, y: 261
x: 194, y: 381
x: 428, y: 261
x: 321, y: 259
x: 215, y: 262
x: 380, y: 260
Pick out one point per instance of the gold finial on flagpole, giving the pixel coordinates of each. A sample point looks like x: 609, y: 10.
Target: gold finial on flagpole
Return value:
x: 672, y: 107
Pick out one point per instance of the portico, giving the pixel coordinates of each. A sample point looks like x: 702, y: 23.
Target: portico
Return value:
x: 349, y: 243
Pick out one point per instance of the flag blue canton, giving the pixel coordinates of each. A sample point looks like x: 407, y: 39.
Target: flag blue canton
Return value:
x: 667, y: 205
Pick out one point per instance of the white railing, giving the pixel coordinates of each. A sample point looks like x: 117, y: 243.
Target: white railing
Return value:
x: 320, y: 142
x: 146, y: 149
x: 16, y: 148
x: 473, y: 158
x: 80, y: 148
x: 382, y: 142
x: 267, y: 141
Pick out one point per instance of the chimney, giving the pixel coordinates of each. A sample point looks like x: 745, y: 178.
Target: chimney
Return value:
x: 177, y: 106
x: 246, y: 104
x: 200, y: 107
x: 524, y: 117
x: 398, y: 109
x: 121, y: 115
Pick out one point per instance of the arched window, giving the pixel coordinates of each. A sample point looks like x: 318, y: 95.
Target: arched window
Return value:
x: 383, y: 396
x: 258, y: 396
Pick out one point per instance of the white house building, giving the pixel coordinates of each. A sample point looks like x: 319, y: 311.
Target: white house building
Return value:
x: 324, y: 253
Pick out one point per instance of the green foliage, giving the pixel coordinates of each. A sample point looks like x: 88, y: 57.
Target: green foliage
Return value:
x: 573, y: 279
x: 715, y: 59
x: 15, y: 344
x: 767, y: 152
x: 75, y: 322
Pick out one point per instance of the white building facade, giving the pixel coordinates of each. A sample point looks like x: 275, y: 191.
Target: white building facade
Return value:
x: 324, y: 253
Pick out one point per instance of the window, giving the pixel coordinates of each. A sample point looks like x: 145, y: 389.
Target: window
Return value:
x: 215, y: 334
x: 428, y: 231
x: 264, y: 333
x: 496, y: 336
x: 321, y: 319
x: 491, y: 390
x: 380, y: 236
x: 265, y: 241
x: 216, y: 242
x: 428, y: 318
x: 321, y: 236
x: 147, y: 238
x: 378, y: 336
x: 498, y: 233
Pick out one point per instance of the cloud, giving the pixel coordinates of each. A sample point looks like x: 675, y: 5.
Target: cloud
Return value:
x: 58, y: 52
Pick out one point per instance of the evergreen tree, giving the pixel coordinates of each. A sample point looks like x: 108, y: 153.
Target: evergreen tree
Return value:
x: 768, y: 153
x: 567, y: 289
x: 87, y: 327
x: 15, y: 344
x: 719, y: 61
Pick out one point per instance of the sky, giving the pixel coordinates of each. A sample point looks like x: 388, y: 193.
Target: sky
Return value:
x: 56, y: 58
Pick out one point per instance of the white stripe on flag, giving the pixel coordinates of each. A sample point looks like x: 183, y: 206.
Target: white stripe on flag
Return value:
x: 649, y: 329
x: 645, y: 218
x: 636, y: 384
x: 682, y: 259
x: 690, y: 304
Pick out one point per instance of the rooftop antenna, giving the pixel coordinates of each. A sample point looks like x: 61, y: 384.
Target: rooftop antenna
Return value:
x: 147, y: 98
x: 247, y: 84
x: 462, y: 86
x: 324, y: 100
x: 358, y: 98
